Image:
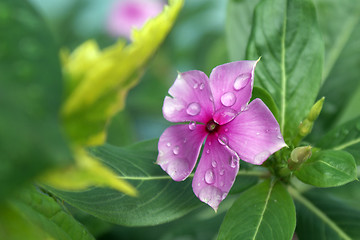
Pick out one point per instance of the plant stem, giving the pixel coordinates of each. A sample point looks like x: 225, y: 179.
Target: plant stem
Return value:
x: 297, y: 196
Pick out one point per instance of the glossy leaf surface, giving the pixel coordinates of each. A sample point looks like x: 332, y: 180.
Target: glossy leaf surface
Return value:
x: 285, y: 34
x: 328, y: 169
x: 260, y: 213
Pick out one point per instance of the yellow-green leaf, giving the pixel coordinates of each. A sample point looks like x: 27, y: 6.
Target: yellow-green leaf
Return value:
x: 97, y: 81
x: 87, y: 172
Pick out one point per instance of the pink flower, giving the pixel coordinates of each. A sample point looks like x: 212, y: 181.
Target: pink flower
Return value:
x: 217, y: 109
x: 128, y: 14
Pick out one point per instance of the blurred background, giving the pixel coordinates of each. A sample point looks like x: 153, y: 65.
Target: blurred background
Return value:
x: 197, y: 41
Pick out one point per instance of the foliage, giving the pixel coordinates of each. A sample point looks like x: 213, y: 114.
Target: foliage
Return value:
x: 62, y: 179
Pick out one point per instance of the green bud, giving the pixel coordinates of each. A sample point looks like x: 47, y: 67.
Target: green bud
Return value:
x: 298, y: 156
x: 315, y: 110
x: 305, y: 127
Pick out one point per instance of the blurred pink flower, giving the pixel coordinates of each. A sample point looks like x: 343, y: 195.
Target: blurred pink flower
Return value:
x: 217, y: 109
x: 128, y: 14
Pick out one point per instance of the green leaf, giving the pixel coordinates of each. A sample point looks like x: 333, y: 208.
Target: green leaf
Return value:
x: 286, y: 35
x: 328, y: 168
x: 265, y: 211
x: 34, y: 215
x: 265, y: 96
x: 344, y: 137
x: 321, y: 216
x: 160, y: 198
x: 239, y: 19
x: 351, y: 110
x: 88, y: 171
x: 341, y: 71
x: 348, y: 193
x: 30, y: 97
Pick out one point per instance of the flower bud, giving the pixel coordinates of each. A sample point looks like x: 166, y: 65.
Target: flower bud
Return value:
x: 305, y: 127
x: 298, y: 156
x: 315, y: 110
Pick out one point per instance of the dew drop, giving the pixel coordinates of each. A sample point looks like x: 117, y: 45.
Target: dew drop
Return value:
x: 214, y: 163
x: 257, y: 133
x: 176, y: 150
x: 241, y: 81
x: 202, y: 86
x: 161, y: 153
x: 226, y: 129
x: 234, y: 160
x: 261, y: 157
x: 192, y: 125
x: 208, y: 151
x: 178, y: 169
x: 168, y: 144
x: 224, y: 196
x: 228, y: 99
x: 209, y: 143
x: 223, y: 140
x: 211, y: 99
x: 279, y: 136
x: 222, y: 171
x: 211, y: 195
x: 209, y: 177
x: 193, y: 109
x: 195, y: 86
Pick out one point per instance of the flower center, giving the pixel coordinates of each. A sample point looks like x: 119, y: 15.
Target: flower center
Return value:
x: 211, y: 126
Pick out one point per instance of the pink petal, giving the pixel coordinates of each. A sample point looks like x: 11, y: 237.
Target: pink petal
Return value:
x: 128, y: 14
x: 215, y: 173
x: 191, y: 99
x: 231, y: 85
x: 254, y: 134
x: 179, y: 148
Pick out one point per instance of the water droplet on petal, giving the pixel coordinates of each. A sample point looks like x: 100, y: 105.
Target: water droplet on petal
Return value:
x: 213, y: 163
x: 223, y: 140
x: 192, y: 126
x: 168, y: 144
x: 221, y: 183
x: 185, y: 140
x: 193, y: 109
x: 228, y: 99
x: 209, y: 143
x: 234, y: 160
x: 211, y: 195
x: 161, y: 153
x: 195, y: 85
x: 279, y: 136
x: 226, y: 129
x: 222, y: 171
x: 178, y: 169
x: 257, y: 133
x: 176, y: 150
x: 202, y: 86
x: 241, y: 81
x: 261, y: 157
x: 208, y: 151
x: 209, y: 177
x: 224, y: 196
x: 211, y: 99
